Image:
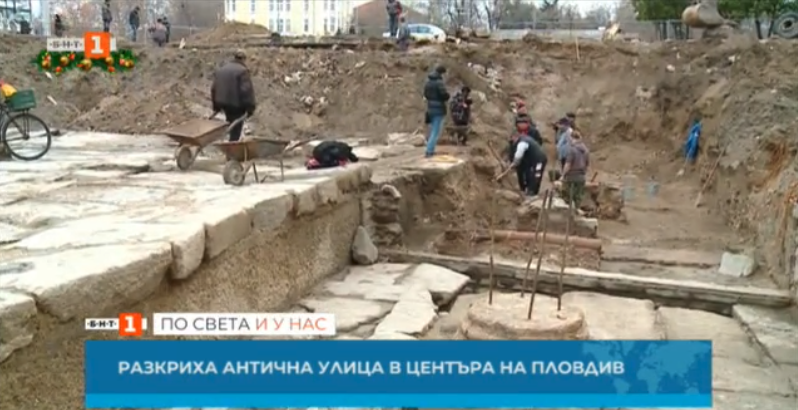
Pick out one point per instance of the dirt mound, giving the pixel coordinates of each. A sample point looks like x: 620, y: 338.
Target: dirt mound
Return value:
x: 227, y: 30
x: 635, y: 102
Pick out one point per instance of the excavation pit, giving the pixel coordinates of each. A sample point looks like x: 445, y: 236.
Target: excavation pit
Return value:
x: 505, y: 318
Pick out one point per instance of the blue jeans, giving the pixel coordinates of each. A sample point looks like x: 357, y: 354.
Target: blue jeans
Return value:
x: 435, y: 125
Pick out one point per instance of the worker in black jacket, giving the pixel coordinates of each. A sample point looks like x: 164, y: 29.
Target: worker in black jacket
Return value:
x: 232, y: 93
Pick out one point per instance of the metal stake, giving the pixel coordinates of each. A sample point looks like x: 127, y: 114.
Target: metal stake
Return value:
x: 535, y: 245
x: 564, y: 255
x: 492, y: 222
x: 547, y: 206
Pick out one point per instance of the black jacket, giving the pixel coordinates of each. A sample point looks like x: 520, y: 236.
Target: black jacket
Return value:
x: 232, y: 87
x: 134, y: 19
x: 533, y: 155
x: 331, y: 153
x: 436, y: 94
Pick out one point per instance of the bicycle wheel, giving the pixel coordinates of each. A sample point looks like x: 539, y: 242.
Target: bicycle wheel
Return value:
x: 25, y: 136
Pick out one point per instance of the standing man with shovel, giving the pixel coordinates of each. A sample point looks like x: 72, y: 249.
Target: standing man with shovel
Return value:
x: 232, y: 93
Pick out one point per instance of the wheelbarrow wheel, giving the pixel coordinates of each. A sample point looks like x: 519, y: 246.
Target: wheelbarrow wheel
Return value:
x: 233, y: 173
x: 184, y: 157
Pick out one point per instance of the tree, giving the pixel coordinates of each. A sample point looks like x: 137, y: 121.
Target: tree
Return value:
x: 663, y: 12
x: 519, y: 14
x: 599, y: 15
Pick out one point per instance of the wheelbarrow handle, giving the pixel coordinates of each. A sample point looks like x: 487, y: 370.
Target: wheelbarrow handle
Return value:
x: 236, y: 122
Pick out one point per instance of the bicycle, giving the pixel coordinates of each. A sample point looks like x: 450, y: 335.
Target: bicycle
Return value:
x: 16, y: 111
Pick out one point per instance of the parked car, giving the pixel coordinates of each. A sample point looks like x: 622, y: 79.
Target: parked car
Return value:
x: 424, y: 32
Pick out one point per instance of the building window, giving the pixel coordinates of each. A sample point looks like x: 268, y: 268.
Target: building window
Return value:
x: 332, y: 5
x: 306, y: 27
x: 280, y: 26
x: 271, y: 5
x: 330, y: 25
x: 307, y: 6
x: 280, y: 5
x: 272, y: 25
x: 232, y: 6
x: 252, y: 6
x: 286, y: 26
x: 287, y: 5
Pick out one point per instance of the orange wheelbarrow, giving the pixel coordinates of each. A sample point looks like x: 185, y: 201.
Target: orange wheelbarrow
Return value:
x: 194, y: 135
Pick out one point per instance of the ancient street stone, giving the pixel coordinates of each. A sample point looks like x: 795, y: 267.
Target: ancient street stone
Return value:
x: 391, y: 336
x: 729, y: 340
x: 776, y: 330
x: 364, y: 252
x: 737, y: 376
x: 412, y: 315
x: 349, y: 313
x: 738, y: 266
x: 17, y: 313
x: 447, y: 325
x: 441, y: 282
x: 611, y: 317
x: 375, y: 282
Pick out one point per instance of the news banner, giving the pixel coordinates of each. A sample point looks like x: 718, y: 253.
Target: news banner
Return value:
x: 152, y: 373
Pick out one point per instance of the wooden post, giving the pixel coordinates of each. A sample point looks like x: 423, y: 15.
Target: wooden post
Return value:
x: 492, y: 222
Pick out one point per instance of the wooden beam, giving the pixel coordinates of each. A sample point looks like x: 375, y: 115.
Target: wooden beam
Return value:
x: 529, y: 236
x: 583, y: 279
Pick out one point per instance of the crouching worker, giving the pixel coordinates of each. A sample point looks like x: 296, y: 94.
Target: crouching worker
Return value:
x: 331, y: 154
x: 528, y: 160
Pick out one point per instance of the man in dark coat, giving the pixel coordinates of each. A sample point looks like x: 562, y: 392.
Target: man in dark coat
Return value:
x: 528, y: 159
x: 394, y: 9
x: 168, y: 26
x: 437, y: 98
x: 134, y: 20
x: 232, y: 92
x: 107, y: 17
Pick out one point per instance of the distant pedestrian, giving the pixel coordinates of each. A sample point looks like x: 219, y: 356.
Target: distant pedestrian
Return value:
x: 403, y: 35
x: 437, y: 98
x: 394, y: 9
x: 107, y: 17
x: 134, y: 20
x: 168, y: 26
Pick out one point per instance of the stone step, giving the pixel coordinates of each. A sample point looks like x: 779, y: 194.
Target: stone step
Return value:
x: 668, y: 257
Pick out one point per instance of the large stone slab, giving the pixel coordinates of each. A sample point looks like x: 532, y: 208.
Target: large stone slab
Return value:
x: 412, y: 315
x: 776, y: 330
x: 751, y: 401
x: 728, y: 338
x: 449, y: 322
x: 376, y: 282
x: 32, y: 213
x: 735, y: 375
x: 349, y: 313
x: 87, y: 282
x: 17, y: 314
x: 610, y: 317
x: 442, y: 283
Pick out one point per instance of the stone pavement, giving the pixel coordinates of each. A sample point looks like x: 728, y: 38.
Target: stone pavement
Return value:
x: 395, y: 301
x: 101, y: 221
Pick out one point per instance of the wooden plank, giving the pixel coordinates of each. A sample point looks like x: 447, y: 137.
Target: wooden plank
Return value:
x: 583, y: 279
x: 667, y: 257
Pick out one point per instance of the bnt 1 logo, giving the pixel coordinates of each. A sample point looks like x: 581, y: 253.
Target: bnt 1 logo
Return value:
x: 127, y: 324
